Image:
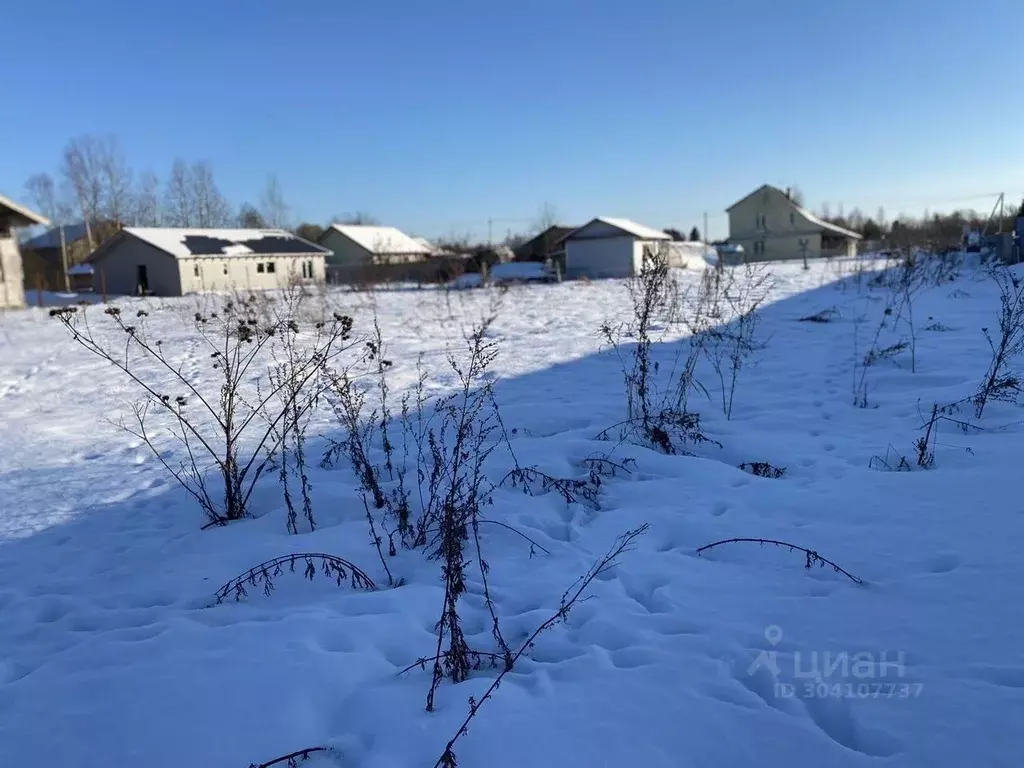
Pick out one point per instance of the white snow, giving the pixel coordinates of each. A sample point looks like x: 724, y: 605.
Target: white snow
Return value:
x: 384, y: 240
x: 110, y: 654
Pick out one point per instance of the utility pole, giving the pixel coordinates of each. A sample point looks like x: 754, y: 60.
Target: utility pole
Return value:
x: 490, y: 231
x: 706, y: 241
x: 64, y: 260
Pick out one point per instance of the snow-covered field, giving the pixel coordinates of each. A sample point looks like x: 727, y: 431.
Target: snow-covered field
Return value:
x: 112, y: 655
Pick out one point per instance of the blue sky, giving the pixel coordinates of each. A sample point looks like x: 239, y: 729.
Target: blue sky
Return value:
x: 436, y: 116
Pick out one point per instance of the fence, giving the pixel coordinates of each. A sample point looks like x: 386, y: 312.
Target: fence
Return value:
x: 436, y: 270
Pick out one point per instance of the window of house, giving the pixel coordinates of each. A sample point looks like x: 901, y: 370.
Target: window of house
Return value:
x: 225, y: 268
x: 195, y: 270
x: 792, y: 218
x: 259, y: 267
x: 271, y: 267
x: 309, y: 267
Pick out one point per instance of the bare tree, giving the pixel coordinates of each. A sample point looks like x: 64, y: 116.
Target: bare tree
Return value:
x: 272, y: 204
x: 826, y: 211
x: 547, y: 217
x: 250, y: 217
x: 359, y: 217
x: 179, y: 206
x: 116, y: 182
x: 796, y: 195
x: 42, y: 192
x: 147, y: 201
x: 211, y: 208
x: 82, y: 169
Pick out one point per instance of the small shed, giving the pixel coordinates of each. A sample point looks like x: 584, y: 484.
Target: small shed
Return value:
x: 80, y: 277
x: 610, y: 247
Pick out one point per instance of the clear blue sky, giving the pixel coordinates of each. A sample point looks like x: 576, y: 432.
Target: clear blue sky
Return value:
x: 435, y: 116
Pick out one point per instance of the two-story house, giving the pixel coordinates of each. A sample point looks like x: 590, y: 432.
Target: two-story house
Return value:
x: 770, y: 226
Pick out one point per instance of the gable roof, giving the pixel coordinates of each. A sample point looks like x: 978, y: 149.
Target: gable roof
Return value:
x: 382, y: 240
x: 827, y: 225
x: 626, y: 225
x: 835, y: 228
x: 750, y: 195
x: 22, y: 216
x: 186, y: 243
x: 51, y: 237
x: 552, y: 237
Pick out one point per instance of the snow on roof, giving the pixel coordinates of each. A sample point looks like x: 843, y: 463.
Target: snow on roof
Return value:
x: 825, y: 224
x: 383, y: 240
x: 426, y: 244
x: 185, y: 243
x: 23, y: 215
x: 802, y: 211
x: 629, y: 226
x: 81, y: 269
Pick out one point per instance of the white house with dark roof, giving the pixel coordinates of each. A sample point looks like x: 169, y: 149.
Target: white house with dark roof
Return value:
x: 771, y: 226
x: 13, y: 216
x: 360, y: 244
x: 173, y: 262
x: 610, y: 247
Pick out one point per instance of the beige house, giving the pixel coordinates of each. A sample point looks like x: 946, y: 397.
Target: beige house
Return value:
x: 360, y: 244
x: 12, y: 216
x: 174, y: 262
x: 771, y: 227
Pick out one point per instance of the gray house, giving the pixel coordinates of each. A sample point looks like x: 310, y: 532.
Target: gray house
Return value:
x: 12, y: 216
x: 610, y: 247
x: 359, y: 244
x: 771, y: 226
x: 173, y: 262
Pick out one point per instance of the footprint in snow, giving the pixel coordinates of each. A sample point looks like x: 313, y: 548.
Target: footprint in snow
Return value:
x: 1004, y: 677
x: 942, y: 563
x: 834, y: 716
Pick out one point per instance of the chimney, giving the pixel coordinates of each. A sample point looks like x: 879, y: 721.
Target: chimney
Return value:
x: 789, y: 193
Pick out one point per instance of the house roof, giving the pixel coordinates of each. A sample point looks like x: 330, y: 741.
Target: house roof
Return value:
x: 383, y: 240
x: 22, y: 216
x: 626, y: 225
x: 826, y: 225
x: 802, y: 211
x: 51, y: 237
x: 185, y: 243
x: 551, y: 237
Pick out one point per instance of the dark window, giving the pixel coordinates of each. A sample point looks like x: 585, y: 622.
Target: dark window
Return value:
x: 259, y: 267
x: 305, y: 270
x: 271, y: 267
x: 312, y: 272
x: 225, y: 269
x: 792, y: 218
x: 195, y: 270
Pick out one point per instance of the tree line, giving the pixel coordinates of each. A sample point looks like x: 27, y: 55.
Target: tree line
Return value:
x: 942, y: 229
x: 94, y: 184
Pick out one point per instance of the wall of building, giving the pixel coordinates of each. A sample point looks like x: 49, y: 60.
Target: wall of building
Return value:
x: 243, y: 273
x: 770, y: 229
x: 601, y: 257
x: 12, y: 291
x: 117, y: 268
x: 346, y: 251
